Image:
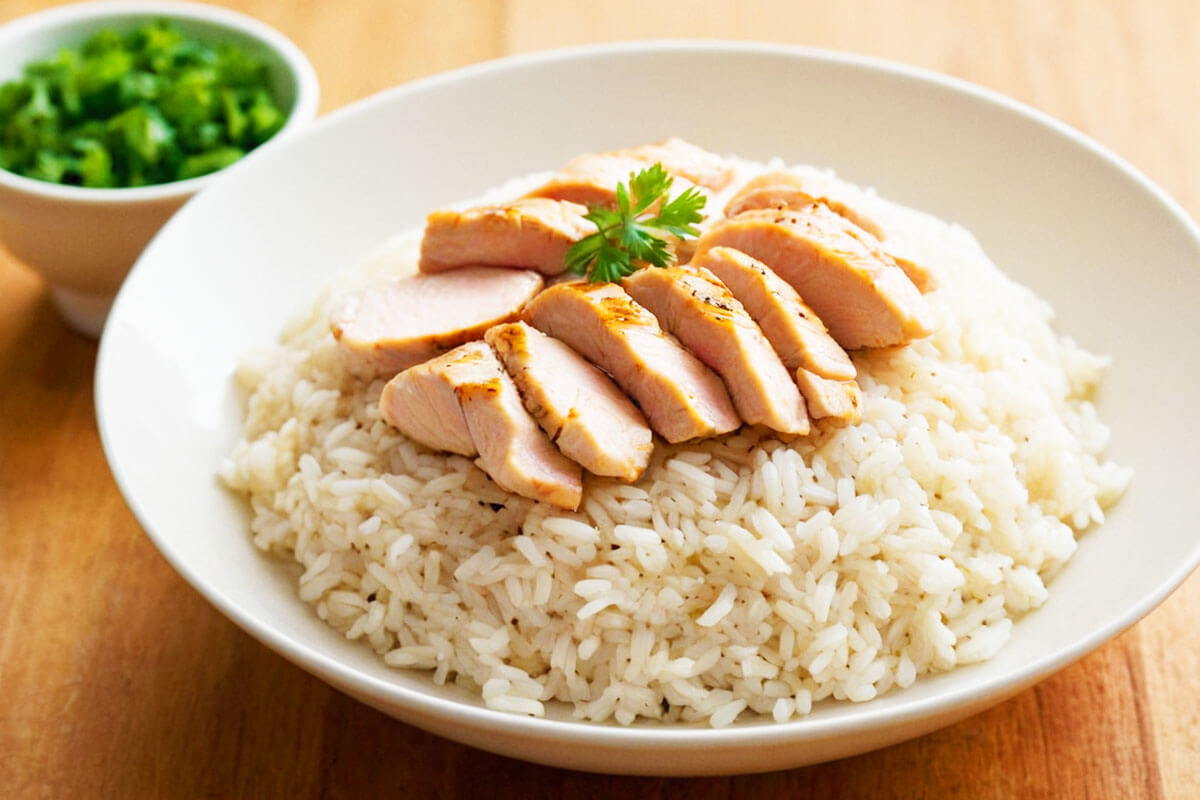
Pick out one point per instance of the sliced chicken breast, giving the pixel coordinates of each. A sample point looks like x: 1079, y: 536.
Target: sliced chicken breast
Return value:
x: 784, y: 189
x: 577, y: 405
x: 420, y: 402
x: 840, y: 400
x: 466, y: 403
x: 529, y: 233
x: 387, y: 328
x: 685, y: 160
x: 513, y: 450
x: 591, y: 179
x: 857, y: 290
x: 682, y: 398
x: 792, y: 328
x: 694, y: 306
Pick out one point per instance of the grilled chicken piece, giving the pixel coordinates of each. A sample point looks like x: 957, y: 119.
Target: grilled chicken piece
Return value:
x: 580, y: 408
x: 513, y: 450
x: 779, y: 189
x: 592, y: 178
x: 680, y: 396
x: 792, y: 328
x: 420, y: 401
x: 467, y: 391
x: 841, y: 400
x: 693, y: 305
x: 685, y: 160
x: 531, y: 233
x: 387, y: 328
x: 785, y: 189
x: 857, y: 290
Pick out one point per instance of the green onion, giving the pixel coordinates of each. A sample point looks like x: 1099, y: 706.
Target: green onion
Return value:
x: 135, y: 108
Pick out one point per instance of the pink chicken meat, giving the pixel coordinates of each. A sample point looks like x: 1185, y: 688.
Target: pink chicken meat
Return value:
x: 465, y: 402
x: 862, y: 297
x: 792, y: 328
x: 682, y: 398
x: 577, y: 405
x: 830, y: 399
x: 783, y: 189
x: 694, y: 306
x: 391, y: 327
x: 528, y: 233
x: 823, y: 371
x: 591, y: 179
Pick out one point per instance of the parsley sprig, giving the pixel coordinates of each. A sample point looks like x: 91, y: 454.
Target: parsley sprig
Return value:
x: 631, y: 236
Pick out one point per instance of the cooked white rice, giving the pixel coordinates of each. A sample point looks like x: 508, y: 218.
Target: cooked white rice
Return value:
x: 738, y: 573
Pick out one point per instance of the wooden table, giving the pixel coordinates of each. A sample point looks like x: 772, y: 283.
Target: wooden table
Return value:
x: 118, y: 680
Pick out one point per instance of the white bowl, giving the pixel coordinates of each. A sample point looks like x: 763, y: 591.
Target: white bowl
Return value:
x: 85, y: 240
x: 1113, y: 253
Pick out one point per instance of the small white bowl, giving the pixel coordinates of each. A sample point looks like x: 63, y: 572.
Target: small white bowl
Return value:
x: 84, y: 240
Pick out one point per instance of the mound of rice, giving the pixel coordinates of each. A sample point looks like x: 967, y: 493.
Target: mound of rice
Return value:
x: 738, y: 573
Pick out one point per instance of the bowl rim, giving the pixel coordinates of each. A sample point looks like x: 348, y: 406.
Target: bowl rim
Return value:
x: 304, y: 108
x: 978, y: 695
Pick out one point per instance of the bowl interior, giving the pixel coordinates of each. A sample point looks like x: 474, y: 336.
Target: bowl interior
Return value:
x: 226, y: 273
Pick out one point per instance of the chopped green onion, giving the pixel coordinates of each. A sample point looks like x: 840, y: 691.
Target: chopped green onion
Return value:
x: 139, y: 107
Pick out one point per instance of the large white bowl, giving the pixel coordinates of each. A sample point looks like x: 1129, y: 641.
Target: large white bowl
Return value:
x: 1112, y: 252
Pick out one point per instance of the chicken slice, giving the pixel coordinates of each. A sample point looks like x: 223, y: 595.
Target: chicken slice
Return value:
x: 420, y: 401
x: 857, y: 290
x: 589, y: 180
x: 694, y: 306
x: 391, y: 327
x: 682, y: 398
x: 840, y: 400
x: 530, y: 233
x: 592, y: 178
x: 792, y: 328
x: 512, y: 449
x: 783, y: 189
x: 685, y: 160
x: 577, y: 405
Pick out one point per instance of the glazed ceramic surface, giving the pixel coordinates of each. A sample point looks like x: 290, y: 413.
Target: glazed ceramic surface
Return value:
x: 1117, y: 258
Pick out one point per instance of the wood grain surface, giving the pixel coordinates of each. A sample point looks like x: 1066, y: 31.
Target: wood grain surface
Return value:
x: 118, y: 680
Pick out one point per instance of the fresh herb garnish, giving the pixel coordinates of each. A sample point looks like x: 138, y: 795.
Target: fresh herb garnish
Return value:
x: 144, y: 106
x: 632, y: 236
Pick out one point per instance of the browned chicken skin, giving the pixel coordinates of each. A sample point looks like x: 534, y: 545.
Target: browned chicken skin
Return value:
x: 682, y: 398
